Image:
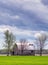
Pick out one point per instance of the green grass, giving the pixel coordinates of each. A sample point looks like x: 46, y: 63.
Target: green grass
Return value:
x: 23, y: 60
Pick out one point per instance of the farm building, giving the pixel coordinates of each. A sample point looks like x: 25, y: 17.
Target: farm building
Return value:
x: 26, y: 50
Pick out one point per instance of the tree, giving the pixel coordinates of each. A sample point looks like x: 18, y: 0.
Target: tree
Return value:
x: 41, y: 37
x: 9, y: 40
x: 23, y: 43
x: 15, y: 49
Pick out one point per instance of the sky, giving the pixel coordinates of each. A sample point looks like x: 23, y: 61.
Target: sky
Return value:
x: 24, y: 18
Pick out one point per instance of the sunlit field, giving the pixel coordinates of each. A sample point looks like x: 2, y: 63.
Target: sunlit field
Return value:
x: 23, y: 60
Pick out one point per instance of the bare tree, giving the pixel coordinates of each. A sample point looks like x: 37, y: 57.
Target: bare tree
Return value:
x: 23, y: 43
x: 41, y: 38
x: 9, y: 40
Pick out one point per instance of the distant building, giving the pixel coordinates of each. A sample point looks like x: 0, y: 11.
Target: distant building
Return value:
x: 28, y: 50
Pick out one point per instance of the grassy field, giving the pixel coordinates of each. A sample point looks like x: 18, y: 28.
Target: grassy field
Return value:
x: 23, y: 60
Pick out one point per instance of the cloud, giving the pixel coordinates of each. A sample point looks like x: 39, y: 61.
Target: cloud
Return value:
x: 42, y: 35
x: 8, y: 16
x: 45, y: 2
x: 25, y: 14
x: 15, y: 30
x: 19, y: 33
x: 24, y: 18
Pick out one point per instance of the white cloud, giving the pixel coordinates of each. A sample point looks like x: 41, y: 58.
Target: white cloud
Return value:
x: 42, y: 35
x: 18, y: 31
x: 15, y: 30
x: 7, y: 15
x: 32, y: 6
x: 15, y: 17
x: 35, y: 6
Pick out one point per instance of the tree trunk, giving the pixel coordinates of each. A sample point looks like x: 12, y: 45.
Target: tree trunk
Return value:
x: 40, y: 51
x: 8, y: 53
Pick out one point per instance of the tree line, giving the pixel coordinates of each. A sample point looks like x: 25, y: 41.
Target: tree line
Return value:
x: 10, y: 40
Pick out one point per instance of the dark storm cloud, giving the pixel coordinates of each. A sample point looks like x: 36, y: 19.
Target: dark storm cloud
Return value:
x: 45, y: 2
